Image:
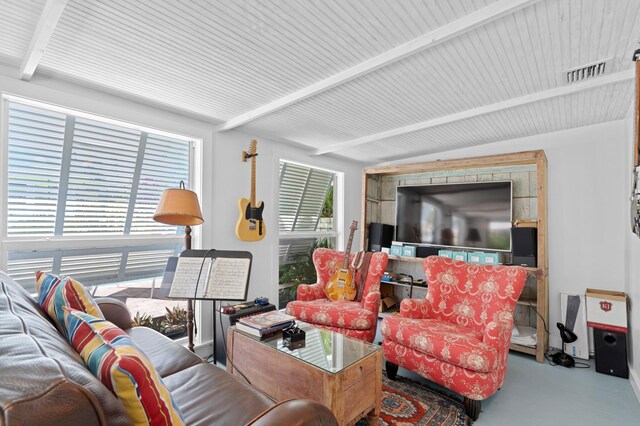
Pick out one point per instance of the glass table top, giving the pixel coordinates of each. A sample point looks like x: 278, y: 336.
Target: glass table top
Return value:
x: 324, y: 349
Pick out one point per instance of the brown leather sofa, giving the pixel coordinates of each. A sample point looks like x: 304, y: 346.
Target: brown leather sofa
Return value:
x: 44, y: 381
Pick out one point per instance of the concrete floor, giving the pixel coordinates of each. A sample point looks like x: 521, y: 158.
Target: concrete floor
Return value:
x: 540, y: 394
x: 535, y: 394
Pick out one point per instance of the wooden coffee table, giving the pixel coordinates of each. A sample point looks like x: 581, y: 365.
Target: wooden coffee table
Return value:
x: 342, y: 373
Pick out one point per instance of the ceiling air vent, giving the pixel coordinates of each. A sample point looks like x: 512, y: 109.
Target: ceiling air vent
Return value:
x: 584, y: 72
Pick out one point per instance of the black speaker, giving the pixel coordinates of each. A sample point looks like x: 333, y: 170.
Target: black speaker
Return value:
x: 380, y: 235
x: 524, y: 246
x: 611, y: 352
x: 426, y: 251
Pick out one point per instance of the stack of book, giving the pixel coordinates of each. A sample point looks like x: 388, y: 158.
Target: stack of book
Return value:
x: 264, y: 325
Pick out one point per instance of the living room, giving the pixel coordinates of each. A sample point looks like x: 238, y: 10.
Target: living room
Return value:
x: 344, y: 90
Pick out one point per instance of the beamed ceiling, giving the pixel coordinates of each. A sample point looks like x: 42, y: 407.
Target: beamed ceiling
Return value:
x: 372, y: 80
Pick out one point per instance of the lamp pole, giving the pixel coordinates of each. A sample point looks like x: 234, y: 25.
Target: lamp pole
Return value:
x: 187, y: 245
x: 180, y: 207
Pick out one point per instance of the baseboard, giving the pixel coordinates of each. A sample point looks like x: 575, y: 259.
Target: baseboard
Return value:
x: 555, y: 342
x: 635, y: 383
x: 204, y: 349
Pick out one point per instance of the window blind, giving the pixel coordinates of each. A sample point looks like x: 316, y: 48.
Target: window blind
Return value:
x: 96, y: 182
x: 165, y: 165
x: 36, y: 137
x: 303, y: 191
x: 103, y: 163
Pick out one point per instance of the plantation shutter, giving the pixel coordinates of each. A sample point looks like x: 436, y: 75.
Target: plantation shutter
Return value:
x: 165, y: 164
x: 74, y: 177
x: 291, y: 250
x: 35, y: 156
x: 303, y: 191
x: 103, y: 162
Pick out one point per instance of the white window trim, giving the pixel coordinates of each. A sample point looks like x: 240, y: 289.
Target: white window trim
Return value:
x: 21, y: 243
x: 4, y: 178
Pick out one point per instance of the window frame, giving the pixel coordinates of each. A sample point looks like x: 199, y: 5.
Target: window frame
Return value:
x: 338, y: 209
x: 45, y: 243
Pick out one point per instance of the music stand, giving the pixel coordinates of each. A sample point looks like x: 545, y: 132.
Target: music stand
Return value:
x: 242, y: 287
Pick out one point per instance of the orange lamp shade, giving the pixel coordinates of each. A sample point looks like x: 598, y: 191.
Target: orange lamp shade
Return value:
x: 178, y: 207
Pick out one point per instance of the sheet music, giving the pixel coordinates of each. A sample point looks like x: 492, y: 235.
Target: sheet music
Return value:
x: 186, y: 277
x: 228, y: 279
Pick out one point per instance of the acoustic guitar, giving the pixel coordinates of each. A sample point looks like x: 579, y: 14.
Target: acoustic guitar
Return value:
x: 250, y: 225
x: 341, y: 286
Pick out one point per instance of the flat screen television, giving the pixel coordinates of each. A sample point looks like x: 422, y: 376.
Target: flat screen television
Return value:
x: 463, y: 215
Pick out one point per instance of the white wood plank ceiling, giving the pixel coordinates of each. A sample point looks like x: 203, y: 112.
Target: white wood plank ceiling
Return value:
x: 372, y: 80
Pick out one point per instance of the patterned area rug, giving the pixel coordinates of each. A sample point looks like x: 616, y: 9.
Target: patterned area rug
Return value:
x: 405, y: 402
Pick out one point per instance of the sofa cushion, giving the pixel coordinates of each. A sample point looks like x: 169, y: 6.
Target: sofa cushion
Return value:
x: 123, y: 368
x: 43, y: 380
x: 55, y: 292
x: 165, y: 355
x: 228, y: 402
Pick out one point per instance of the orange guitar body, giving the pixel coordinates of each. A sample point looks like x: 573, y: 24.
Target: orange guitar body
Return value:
x: 341, y: 286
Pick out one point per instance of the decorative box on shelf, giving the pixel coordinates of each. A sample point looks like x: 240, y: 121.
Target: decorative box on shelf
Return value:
x: 460, y: 255
x: 396, y: 250
x: 475, y: 257
x: 445, y: 253
x: 409, y: 251
x: 490, y: 259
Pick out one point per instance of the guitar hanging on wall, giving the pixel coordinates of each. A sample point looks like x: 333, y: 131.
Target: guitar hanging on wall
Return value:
x: 250, y: 225
x: 341, y: 286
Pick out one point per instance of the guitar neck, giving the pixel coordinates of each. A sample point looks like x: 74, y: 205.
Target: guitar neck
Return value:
x: 345, y: 261
x: 252, y: 200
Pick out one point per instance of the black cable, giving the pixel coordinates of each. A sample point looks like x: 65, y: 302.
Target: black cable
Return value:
x: 226, y: 350
x: 546, y: 328
x: 577, y: 364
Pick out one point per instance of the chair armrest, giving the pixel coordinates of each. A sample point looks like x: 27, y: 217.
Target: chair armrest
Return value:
x: 497, y: 334
x: 371, y: 302
x: 115, y: 311
x: 296, y: 412
x: 311, y: 291
x: 415, y: 308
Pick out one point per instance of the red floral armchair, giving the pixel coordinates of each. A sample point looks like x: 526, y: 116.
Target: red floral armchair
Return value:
x: 458, y: 336
x: 354, y: 319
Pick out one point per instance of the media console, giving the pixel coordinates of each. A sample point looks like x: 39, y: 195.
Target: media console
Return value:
x: 528, y: 172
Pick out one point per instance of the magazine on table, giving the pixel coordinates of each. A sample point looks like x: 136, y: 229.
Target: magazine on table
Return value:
x: 263, y: 333
x: 266, y: 320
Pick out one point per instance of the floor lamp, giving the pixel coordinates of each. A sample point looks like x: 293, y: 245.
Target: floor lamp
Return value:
x: 179, y: 206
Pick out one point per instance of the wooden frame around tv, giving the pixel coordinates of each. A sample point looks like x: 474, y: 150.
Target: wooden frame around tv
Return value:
x: 541, y: 272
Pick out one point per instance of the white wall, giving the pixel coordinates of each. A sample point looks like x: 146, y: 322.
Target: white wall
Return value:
x: 225, y: 178
x: 587, y: 184
x: 632, y: 279
x: 231, y: 180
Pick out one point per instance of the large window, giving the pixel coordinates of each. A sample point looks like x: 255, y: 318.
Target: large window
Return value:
x: 80, y: 193
x: 306, y: 221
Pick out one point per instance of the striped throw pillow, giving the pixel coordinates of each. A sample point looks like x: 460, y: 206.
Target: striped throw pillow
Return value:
x: 115, y: 360
x: 55, y: 292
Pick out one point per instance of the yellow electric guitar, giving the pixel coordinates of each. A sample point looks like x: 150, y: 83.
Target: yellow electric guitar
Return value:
x: 341, y: 286
x: 250, y: 226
